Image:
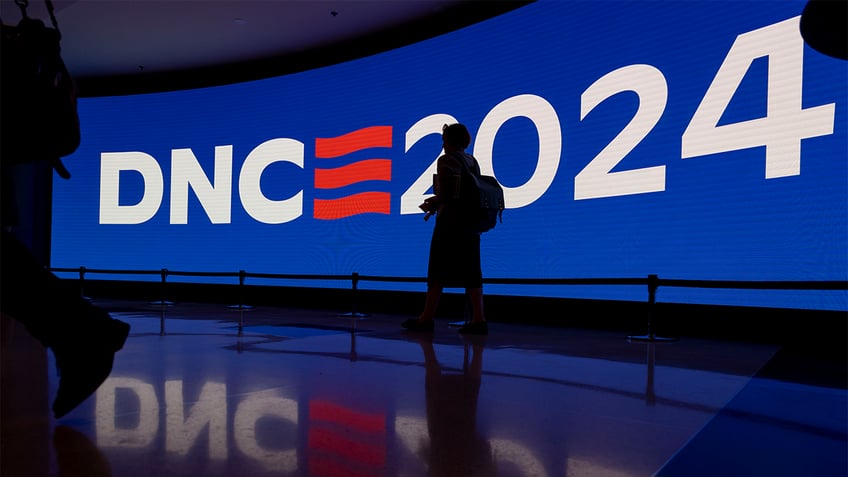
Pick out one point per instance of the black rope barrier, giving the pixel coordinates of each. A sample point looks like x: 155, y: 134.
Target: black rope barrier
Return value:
x: 652, y: 282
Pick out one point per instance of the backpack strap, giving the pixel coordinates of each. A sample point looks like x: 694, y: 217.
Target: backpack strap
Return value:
x: 460, y: 157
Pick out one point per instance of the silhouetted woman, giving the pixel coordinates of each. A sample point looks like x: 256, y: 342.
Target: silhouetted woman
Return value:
x: 454, y: 259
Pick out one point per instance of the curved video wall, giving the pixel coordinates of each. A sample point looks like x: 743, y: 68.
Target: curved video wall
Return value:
x: 691, y: 140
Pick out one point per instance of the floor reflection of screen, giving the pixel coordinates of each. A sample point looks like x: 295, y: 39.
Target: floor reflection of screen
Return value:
x: 692, y: 140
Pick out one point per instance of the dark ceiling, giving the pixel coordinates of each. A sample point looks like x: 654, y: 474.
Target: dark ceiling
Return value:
x: 132, y: 46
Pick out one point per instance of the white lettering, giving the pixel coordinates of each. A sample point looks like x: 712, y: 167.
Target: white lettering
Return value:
x: 597, y: 180
x: 111, y: 165
x: 786, y: 122
x: 248, y: 412
x: 210, y: 408
x: 544, y: 117
x: 216, y: 200
x: 418, y: 191
x: 108, y: 433
x: 254, y: 202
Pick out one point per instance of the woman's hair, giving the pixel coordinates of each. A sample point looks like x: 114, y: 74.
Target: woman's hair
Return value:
x: 456, y: 135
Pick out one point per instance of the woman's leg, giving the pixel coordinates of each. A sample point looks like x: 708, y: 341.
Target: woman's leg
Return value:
x: 431, y: 303
x: 478, y: 324
x: 476, y: 297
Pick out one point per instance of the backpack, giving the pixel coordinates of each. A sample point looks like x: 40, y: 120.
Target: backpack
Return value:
x: 39, y: 104
x: 485, y: 198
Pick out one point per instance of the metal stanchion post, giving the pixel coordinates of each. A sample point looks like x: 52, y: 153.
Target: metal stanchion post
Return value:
x: 653, y: 284
x: 241, y: 306
x: 241, y: 303
x: 82, y: 283
x: 354, y: 314
x: 162, y: 304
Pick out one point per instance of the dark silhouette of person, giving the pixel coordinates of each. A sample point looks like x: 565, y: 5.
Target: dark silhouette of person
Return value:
x: 454, y: 257
x: 82, y: 337
x: 456, y: 446
x: 824, y: 26
x: 40, y: 125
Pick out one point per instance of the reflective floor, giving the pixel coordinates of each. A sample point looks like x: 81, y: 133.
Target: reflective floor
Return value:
x: 314, y: 393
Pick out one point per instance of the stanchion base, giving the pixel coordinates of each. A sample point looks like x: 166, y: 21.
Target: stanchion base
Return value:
x: 161, y: 303
x: 651, y: 338
x: 240, y: 307
x: 353, y: 314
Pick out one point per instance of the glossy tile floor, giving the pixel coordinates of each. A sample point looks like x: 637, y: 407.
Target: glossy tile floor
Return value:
x: 313, y: 393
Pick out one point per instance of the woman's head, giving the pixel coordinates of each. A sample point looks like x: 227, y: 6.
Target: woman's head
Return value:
x: 456, y: 135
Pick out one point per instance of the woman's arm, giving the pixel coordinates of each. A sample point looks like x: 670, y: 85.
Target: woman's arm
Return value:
x: 449, y: 173
x: 445, y: 184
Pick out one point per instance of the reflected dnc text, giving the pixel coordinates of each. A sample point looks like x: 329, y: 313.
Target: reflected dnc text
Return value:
x: 273, y: 431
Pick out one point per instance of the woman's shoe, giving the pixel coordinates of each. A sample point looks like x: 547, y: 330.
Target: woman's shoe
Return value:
x: 475, y: 328
x: 414, y: 324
